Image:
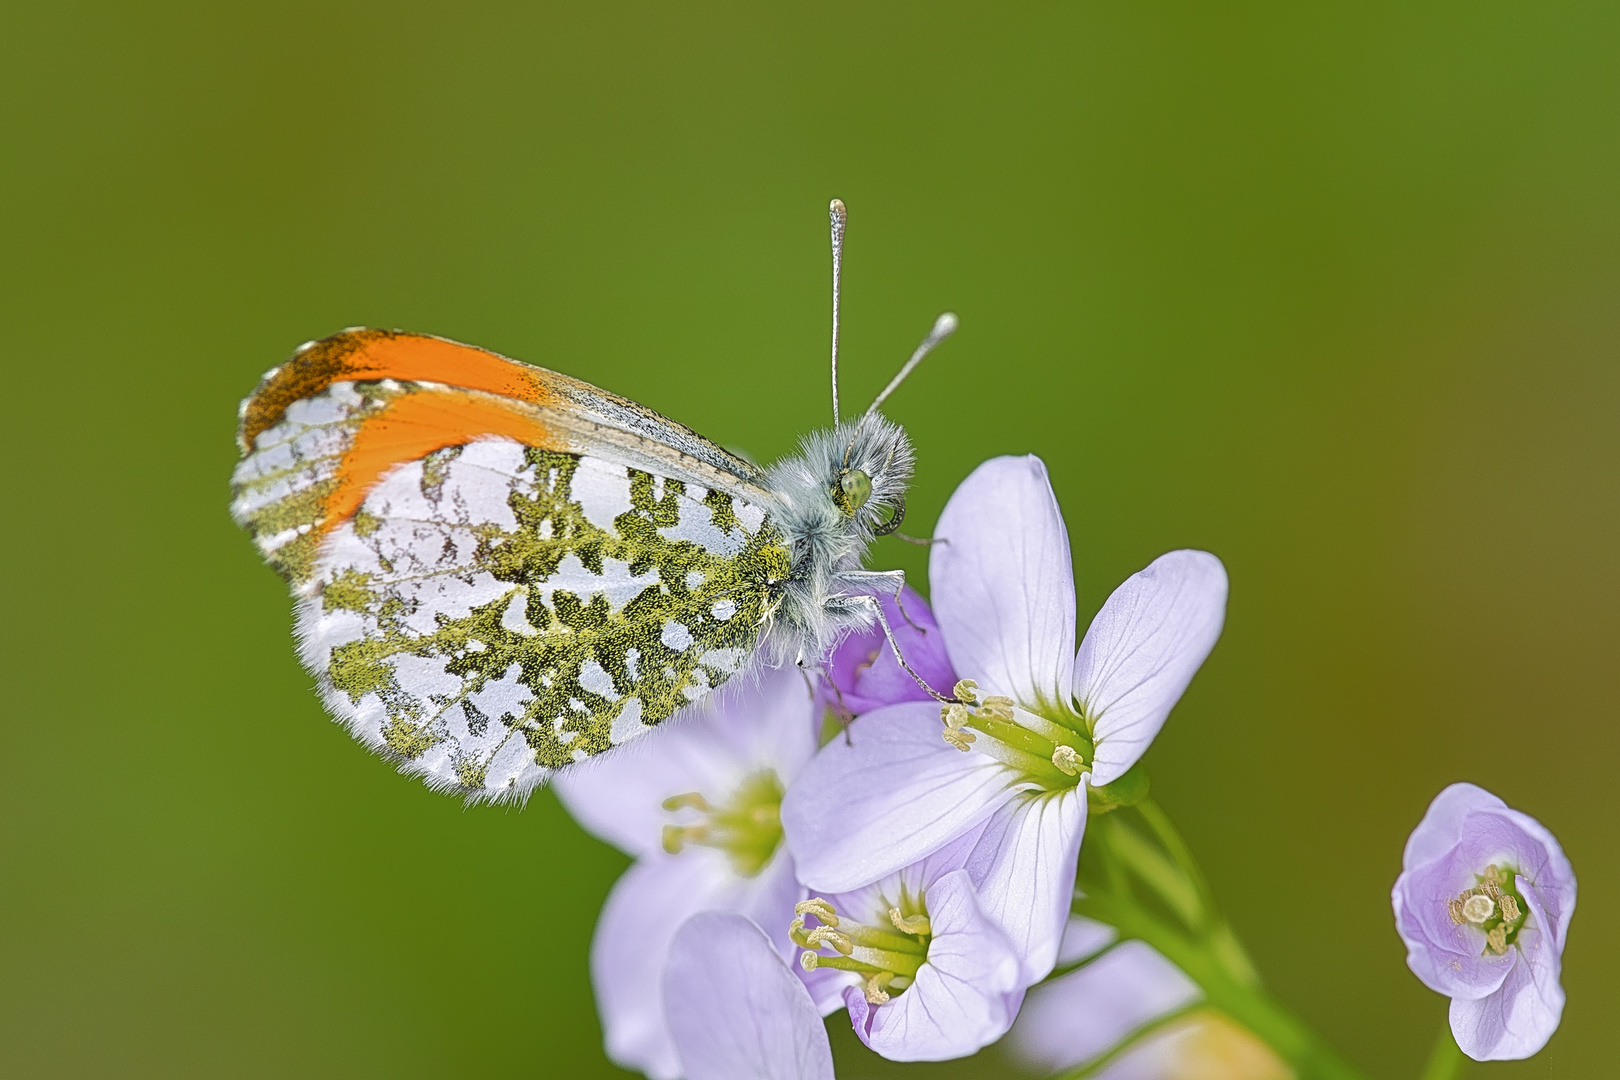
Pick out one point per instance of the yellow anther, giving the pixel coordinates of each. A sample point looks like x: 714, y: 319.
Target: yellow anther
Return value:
x: 1510, y: 907
x: 809, y: 960
x: 966, y: 690
x: 1492, y: 874
x: 826, y: 935
x: 910, y: 924
x: 818, y: 907
x: 962, y: 740
x: 674, y: 839
x: 1476, y: 909
x: 955, y: 716
x: 1452, y: 906
x: 875, y: 994
x: 1067, y: 760
x: 691, y: 800
x: 1497, y: 939
x: 997, y: 706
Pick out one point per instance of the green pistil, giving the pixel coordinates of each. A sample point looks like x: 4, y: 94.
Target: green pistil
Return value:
x: 747, y: 827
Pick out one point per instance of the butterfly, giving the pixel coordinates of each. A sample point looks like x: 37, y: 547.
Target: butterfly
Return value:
x: 499, y: 570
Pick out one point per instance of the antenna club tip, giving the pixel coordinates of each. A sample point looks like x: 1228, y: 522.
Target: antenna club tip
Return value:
x: 945, y: 324
x: 836, y: 208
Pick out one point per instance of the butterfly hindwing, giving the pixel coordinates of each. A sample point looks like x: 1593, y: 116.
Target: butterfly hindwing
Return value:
x: 485, y: 641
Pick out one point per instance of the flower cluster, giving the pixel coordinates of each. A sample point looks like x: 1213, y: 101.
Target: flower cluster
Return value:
x: 915, y: 864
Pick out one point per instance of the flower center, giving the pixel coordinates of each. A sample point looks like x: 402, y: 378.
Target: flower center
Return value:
x: 1051, y: 753
x: 1494, y: 906
x: 747, y: 826
x: 887, y: 958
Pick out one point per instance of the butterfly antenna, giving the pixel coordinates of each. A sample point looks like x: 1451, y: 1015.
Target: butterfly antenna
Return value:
x: 944, y: 326
x: 840, y: 217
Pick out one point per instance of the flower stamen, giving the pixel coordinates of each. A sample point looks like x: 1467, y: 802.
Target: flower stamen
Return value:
x: 910, y: 924
x: 747, y: 826
x: 885, y: 960
x: 1492, y: 906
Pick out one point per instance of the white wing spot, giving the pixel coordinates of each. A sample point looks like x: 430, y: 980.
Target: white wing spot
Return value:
x: 724, y: 609
x: 676, y: 636
x: 627, y: 725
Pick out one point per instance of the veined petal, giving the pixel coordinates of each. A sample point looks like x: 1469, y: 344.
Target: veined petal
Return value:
x: 1003, y: 584
x: 1142, y: 650
x: 964, y: 997
x: 1023, y: 865
x: 1448, y: 957
x: 1502, y: 834
x: 1517, y: 1020
x: 1441, y: 826
x: 1082, y: 1015
x: 891, y: 795
x: 764, y: 723
x: 736, y: 1011
x: 633, y: 934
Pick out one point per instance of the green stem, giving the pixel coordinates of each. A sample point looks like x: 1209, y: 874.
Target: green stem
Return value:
x: 1248, y: 1005
x: 1446, y: 1061
x: 1130, y: 1041
x: 1206, y: 950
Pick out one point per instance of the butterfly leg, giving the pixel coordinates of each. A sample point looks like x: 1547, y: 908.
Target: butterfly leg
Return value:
x: 871, y: 604
x: 897, y: 578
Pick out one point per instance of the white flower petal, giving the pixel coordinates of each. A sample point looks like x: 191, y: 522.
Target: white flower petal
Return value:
x: 1513, y: 1023
x: 632, y: 939
x: 1441, y: 828
x: 965, y: 996
x: 1083, y: 937
x: 1082, y: 1015
x: 1142, y: 650
x: 1517, y: 1020
x: 736, y: 1011
x: 893, y: 794
x: 1023, y: 865
x: 710, y: 748
x: 633, y: 934
x: 1003, y: 584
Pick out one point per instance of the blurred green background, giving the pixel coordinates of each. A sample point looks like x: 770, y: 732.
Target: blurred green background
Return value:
x: 1328, y: 289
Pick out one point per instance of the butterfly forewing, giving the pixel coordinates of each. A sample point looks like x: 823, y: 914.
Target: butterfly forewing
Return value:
x: 486, y: 603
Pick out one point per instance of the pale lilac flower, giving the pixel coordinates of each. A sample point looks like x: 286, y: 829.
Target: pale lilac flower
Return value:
x: 1043, y: 717
x: 696, y: 801
x: 925, y: 973
x: 1077, y: 1017
x: 1483, y: 903
x: 735, y: 1010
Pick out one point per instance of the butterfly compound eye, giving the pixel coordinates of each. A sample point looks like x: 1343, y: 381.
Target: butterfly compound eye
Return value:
x: 854, y: 488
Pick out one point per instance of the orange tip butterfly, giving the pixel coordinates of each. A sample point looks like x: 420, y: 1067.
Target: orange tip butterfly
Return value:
x: 500, y: 570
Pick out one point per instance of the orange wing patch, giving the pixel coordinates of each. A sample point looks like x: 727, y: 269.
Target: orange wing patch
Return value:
x: 414, y: 425
x: 386, y: 354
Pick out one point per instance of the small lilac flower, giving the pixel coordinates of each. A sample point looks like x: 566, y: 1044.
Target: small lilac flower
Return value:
x: 925, y: 973
x: 1483, y: 903
x: 735, y: 1010
x: 697, y: 803
x: 866, y: 676
x: 1013, y: 758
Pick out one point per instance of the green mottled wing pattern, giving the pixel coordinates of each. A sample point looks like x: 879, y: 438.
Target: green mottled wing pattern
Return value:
x: 495, y: 612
